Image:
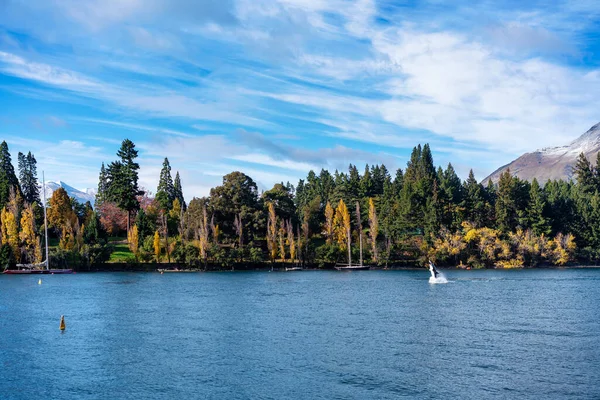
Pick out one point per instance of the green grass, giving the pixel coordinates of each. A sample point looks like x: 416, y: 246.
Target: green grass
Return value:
x: 117, y: 239
x: 120, y: 254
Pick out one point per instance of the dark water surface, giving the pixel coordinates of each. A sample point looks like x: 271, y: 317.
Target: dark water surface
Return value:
x: 302, y: 335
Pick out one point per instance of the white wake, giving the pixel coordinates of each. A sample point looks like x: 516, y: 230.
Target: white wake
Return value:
x: 440, y: 279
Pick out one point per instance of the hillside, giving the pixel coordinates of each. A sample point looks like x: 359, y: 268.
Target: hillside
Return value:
x: 553, y: 162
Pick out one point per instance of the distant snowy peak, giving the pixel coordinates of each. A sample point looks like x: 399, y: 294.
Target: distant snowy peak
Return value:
x: 586, y: 143
x: 553, y: 162
x: 79, y: 195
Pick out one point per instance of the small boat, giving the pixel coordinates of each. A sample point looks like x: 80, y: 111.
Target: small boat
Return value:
x: 293, y: 268
x: 163, y: 271
x: 350, y: 267
x: 39, y: 268
x: 25, y: 269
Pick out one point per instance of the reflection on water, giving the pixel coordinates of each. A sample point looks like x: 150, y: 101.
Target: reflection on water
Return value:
x: 307, y: 335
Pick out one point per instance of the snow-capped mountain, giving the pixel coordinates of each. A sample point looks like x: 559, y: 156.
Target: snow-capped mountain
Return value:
x: 79, y: 195
x: 553, y: 162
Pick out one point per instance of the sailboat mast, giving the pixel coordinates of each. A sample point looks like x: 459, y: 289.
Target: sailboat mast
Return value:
x: 358, y: 219
x: 45, y: 220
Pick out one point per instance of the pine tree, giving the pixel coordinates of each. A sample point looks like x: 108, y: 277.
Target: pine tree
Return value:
x: 366, y: 184
x: 122, y: 178
x: 473, y: 203
x: 102, y: 187
x: 165, y: 194
x: 585, y: 175
x: 8, y: 179
x: 507, y: 211
x: 178, y: 191
x: 28, y: 177
x: 535, y: 213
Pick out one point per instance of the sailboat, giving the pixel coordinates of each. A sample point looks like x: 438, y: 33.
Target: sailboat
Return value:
x: 44, y: 266
x: 349, y: 266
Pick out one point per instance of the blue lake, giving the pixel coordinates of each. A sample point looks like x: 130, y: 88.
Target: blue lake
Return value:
x: 302, y: 335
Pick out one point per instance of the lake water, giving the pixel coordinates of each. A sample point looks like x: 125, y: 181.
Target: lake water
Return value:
x: 302, y: 335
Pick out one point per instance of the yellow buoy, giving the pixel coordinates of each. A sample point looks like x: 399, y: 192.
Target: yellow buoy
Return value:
x: 63, y: 326
x: 40, y: 282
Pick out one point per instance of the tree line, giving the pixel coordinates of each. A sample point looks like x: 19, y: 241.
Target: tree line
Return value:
x: 377, y: 217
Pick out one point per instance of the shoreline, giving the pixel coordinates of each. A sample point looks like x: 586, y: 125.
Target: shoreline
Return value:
x: 143, y: 268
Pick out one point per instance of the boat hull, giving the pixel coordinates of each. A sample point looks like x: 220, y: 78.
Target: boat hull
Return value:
x: 353, y: 267
x: 37, y: 271
x: 23, y: 271
x: 172, y: 271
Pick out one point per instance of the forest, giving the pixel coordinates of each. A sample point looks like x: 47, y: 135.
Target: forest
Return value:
x: 398, y: 219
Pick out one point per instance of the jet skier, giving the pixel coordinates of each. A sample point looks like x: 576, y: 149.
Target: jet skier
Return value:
x: 433, y: 270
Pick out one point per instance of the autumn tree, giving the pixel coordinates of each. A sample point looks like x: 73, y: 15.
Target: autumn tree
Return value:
x: 291, y: 241
x: 373, y: 229
x: 341, y: 223
x: 272, y: 232
x: 10, y: 231
x: 281, y: 236
x: 29, y: 239
x: 134, y: 240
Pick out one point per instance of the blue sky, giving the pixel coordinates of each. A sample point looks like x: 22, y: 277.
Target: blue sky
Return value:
x: 277, y: 87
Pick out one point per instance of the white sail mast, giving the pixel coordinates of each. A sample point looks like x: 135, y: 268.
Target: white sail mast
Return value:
x: 45, y: 220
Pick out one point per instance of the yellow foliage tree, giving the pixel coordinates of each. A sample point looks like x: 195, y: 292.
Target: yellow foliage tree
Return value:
x: 291, y: 240
x: 10, y: 231
x: 272, y: 232
x: 134, y: 240
x: 27, y: 235
x: 341, y: 223
x: 38, y: 251
x: 281, y: 234
x: 562, y: 248
x: 67, y: 239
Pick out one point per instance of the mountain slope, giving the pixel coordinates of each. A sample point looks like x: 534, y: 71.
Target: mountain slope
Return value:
x: 553, y: 162
x: 80, y: 196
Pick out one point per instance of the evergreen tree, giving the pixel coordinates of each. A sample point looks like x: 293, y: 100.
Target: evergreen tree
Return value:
x: 535, y: 213
x: 366, y: 184
x: 165, y: 194
x: 398, y: 182
x: 327, y: 185
x: 28, y: 177
x: 511, y: 202
x: 585, y: 174
x: 8, y: 179
x: 102, y: 187
x: 122, y: 178
x: 473, y: 204
x: 353, y: 184
x: 179, y: 191
x: 433, y: 215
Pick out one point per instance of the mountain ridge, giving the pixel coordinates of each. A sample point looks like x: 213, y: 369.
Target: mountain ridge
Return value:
x: 79, y: 195
x: 552, y: 163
